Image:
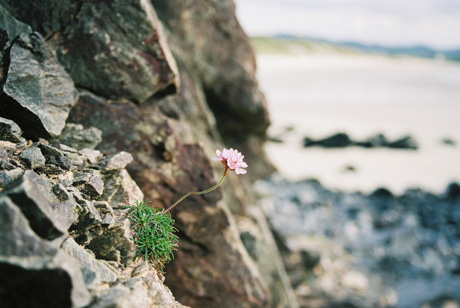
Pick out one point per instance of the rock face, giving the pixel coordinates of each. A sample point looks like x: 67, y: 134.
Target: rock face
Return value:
x: 210, y: 249
x: 37, y: 93
x: 115, y: 48
x: 224, y: 71
x: 93, y: 118
x: 61, y: 240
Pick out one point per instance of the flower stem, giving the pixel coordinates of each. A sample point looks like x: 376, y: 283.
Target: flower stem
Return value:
x: 198, y: 192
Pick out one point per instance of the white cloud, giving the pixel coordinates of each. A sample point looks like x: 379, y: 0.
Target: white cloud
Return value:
x: 389, y: 22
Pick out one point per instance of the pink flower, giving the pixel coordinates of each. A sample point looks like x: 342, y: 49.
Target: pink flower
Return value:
x: 232, y: 159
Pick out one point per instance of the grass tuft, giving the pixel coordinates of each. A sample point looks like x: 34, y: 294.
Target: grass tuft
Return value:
x: 153, y: 234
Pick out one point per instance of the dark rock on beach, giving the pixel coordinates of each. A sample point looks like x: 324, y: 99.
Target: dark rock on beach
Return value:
x: 376, y: 141
x: 342, y: 140
x: 379, y: 250
x: 449, y: 141
x: 406, y: 142
x: 339, y: 140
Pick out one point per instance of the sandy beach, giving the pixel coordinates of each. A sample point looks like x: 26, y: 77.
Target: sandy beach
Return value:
x: 320, y: 94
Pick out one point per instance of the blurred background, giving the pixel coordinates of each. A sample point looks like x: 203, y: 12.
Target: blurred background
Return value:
x: 361, y: 68
x: 364, y: 99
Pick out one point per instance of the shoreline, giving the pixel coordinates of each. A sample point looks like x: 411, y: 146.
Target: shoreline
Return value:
x: 361, y: 95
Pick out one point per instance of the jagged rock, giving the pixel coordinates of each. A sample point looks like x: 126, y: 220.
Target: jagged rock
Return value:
x: 121, y: 189
x: 77, y: 161
x: 34, y: 273
x: 37, y: 93
x: 55, y: 156
x: 35, y: 205
x: 4, y: 159
x: 140, y: 269
x: 134, y: 63
x: 10, y: 131
x: 16, y: 237
x: 134, y: 296
x: 106, y: 212
x: 48, y: 216
x: 115, y: 244
x: 105, y: 47
x: 224, y: 68
x: 8, y: 177
x: 138, y: 292
x: 103, y: 207
x: 117, y: 161
x: 10, y: 28
x: 8, y: 146
x: 118, y: 297
x: 95, y: 186
x: 167, y: 169
x: 67, y: 149
x: 33, y: 157
x: 261, y: 246
x: 50, y: 170
x: 88, y: 216
x: 48, y: 17
x: 53, y: 283
x: 114, y: 118
x: 94, y: 271
x: 79, y: 138
x: 92, y: 155
x: 91, y: 183
x: 161, y: 296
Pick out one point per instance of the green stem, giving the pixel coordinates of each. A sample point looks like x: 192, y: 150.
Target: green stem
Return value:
x: 197, y: 192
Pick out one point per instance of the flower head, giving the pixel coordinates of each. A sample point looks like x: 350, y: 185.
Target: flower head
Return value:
x: 232, y: 159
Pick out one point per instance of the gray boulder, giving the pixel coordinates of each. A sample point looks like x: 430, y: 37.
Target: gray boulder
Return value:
x: 4, y: 160
x: 33, y: 157
x: 37, y: 92
x: 55, y: 156
x: 76, y: 136
x: 48, y: 216
x: 9, y: 176
x: 17, y: 239
x: 115, y: 48
x: 119, y: 188
x: 51, y: 283
x: 117, y: 161
x: 90, y: 182
x: 10, y: 131
x: 34, y: 272
x: 94, y: 271
x: 115, y: 244
x: 10, y: 28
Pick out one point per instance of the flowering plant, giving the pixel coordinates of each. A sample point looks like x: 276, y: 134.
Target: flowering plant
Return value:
x: 232, y: 160
x: 153, y: 228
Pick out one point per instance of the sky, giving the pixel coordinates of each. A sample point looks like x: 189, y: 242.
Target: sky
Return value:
x: 434, y: 23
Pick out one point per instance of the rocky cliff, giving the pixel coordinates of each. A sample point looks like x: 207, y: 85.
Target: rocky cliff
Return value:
x: 106, y: 102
